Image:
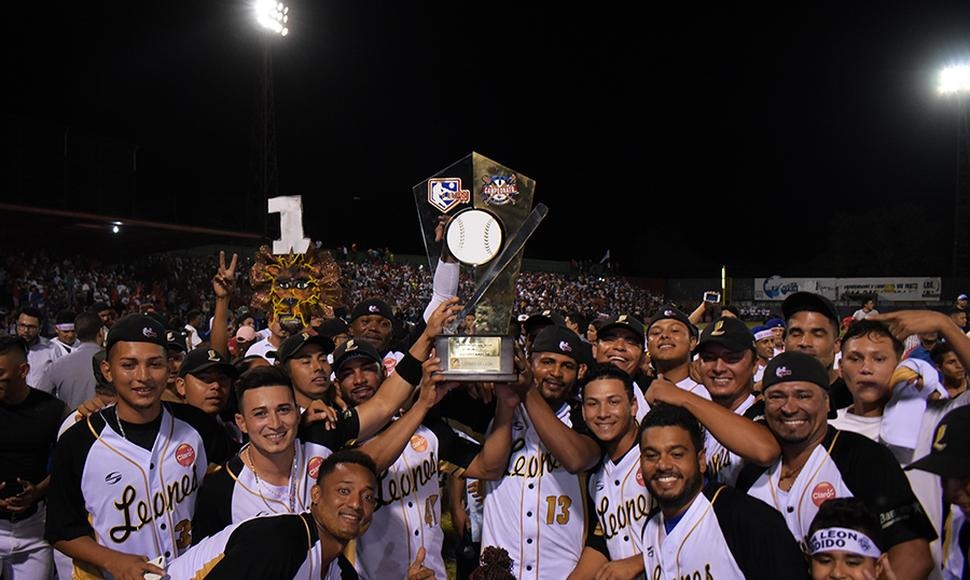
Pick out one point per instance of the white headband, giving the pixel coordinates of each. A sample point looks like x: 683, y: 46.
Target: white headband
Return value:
x: 67, y: 326
x: 843, y: 539
x: 764, y: 334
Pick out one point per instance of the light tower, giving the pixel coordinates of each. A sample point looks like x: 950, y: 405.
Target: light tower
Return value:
x: 955, y: 84
x: 273, y: 18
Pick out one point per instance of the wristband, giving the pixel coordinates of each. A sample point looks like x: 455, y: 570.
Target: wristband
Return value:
x: 409, y: 369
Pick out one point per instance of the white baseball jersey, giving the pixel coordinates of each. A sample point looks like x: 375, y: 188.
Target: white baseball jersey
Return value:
x: 408, y: 514
x: 722, y: 464
x: 536, y: 512
x: 723, y: 534
x: 281, y: 546
x: 130, y: 498
x: 233, y: 493
x: 844, y: 464
x: 622, y: 503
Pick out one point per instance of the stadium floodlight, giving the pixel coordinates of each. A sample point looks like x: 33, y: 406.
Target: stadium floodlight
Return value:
x: 955, y: 80
x: 115, y: 229
x: 272, y: 16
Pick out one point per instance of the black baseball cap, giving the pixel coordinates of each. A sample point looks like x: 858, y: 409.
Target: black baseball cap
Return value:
x: 627, y: 321
x: 355, y: 349
x: 372, y: 306
x: 671, y: 312
x: 332, y: 327
x: 175, y: 340
x: 202, y: 359
x: 559, y: 340
x: 791, y: 366
x: 136, y: 328
x: 810, y: 302
x: 292, y: 344
x: 729, y: 332
x: 544, y: 318
x: 950, y: 454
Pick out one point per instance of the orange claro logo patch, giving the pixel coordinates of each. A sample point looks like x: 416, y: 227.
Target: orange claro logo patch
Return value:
x: 822, y: 493
x: 185, y: 455
x: 313, y: 466
x: 640, y: 478
x: 419, y: 443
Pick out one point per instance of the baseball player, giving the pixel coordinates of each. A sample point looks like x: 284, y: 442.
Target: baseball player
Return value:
x: 536, y: 511
x: 621, y: 501
x: 124, y: 481
x: 671, y: 338
x: 819, y: 462
x: 305, y: 545
x: 419, y: 448
x: 704, y: 531
x: 733, y: 419
x: 66, y: 339
x: 275, y: 472
x: 29, y: 419
x: 620, y: 342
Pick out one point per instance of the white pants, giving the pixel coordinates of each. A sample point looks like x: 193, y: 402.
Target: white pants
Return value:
x: 24, y: 554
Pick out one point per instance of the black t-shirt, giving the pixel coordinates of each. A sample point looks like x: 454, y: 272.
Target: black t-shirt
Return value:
x: 28, y: 431
x: 839, y: 397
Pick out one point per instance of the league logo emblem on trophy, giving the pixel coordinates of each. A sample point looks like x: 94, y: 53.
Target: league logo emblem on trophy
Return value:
x: 486, y: 232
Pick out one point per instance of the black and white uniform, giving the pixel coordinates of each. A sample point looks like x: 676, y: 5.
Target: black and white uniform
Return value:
x: 282, y: 546
x: 622, y: 504
x: 722, y: 464
x: 408, y: 513
x: 536, y: 512
x: 28, y: 431
x: 844, y: 464
x: 233, y: 493
x: 724, y: 534
x: 135, y: 493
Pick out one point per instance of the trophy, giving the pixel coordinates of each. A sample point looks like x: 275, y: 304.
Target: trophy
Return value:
x: 490, y: 219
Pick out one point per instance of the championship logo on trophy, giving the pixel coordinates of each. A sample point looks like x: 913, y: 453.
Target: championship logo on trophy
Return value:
x: 488, y: 208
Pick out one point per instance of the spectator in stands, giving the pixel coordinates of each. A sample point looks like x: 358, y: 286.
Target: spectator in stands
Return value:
x: 951, y: 369
x: 41, y: 352
x: 66, y: 339
x: 868, y: 309
x: 69, y: 378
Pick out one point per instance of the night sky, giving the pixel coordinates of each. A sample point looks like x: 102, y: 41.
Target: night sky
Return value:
x: 806, y: 139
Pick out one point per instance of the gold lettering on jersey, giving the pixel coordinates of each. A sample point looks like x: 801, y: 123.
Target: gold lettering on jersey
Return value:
x: 532, y: 465
x: 695, y: 575
x: 138, y: 513
x: 401, y: 484
x: 717, y: 462
x: 627, y: 515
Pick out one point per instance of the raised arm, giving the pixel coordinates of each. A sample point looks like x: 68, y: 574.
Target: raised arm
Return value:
x: 751, y: 441
x: 223, y: 285
x: 905, y: 323
x: 395, y: 390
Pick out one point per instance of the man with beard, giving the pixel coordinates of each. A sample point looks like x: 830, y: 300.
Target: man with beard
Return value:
x: 274, y: 473
x: 820, y: 462
x: 733, y: 418
x: 306, y: 545
x: 620, y: 501
x: 710, y: 531
x: 416, y: 449
x: 41, y: 353
x: 551, y: 450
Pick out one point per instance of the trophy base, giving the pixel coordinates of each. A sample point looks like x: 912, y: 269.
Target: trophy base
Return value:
x: 487, y: 358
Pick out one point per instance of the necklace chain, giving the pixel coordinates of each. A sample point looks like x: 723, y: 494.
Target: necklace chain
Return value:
x: 291, y: 499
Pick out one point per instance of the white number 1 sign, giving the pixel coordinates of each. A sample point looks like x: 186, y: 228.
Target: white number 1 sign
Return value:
x: 290, y: 208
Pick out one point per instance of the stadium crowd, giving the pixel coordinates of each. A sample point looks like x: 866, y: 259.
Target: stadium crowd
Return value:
x: 159, y: 433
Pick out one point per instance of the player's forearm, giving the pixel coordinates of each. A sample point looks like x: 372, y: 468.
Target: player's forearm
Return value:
x: 590, y: 561
x: 219, y: 338
x: 493, y: 459
x: 378, y: 410
x: 911, y: 560
x: 698, y: 313
x: 389, y: 445
x: 573, y: 451
x: 752, y: 442
x: 87, y: 550
x: 40, y: 490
